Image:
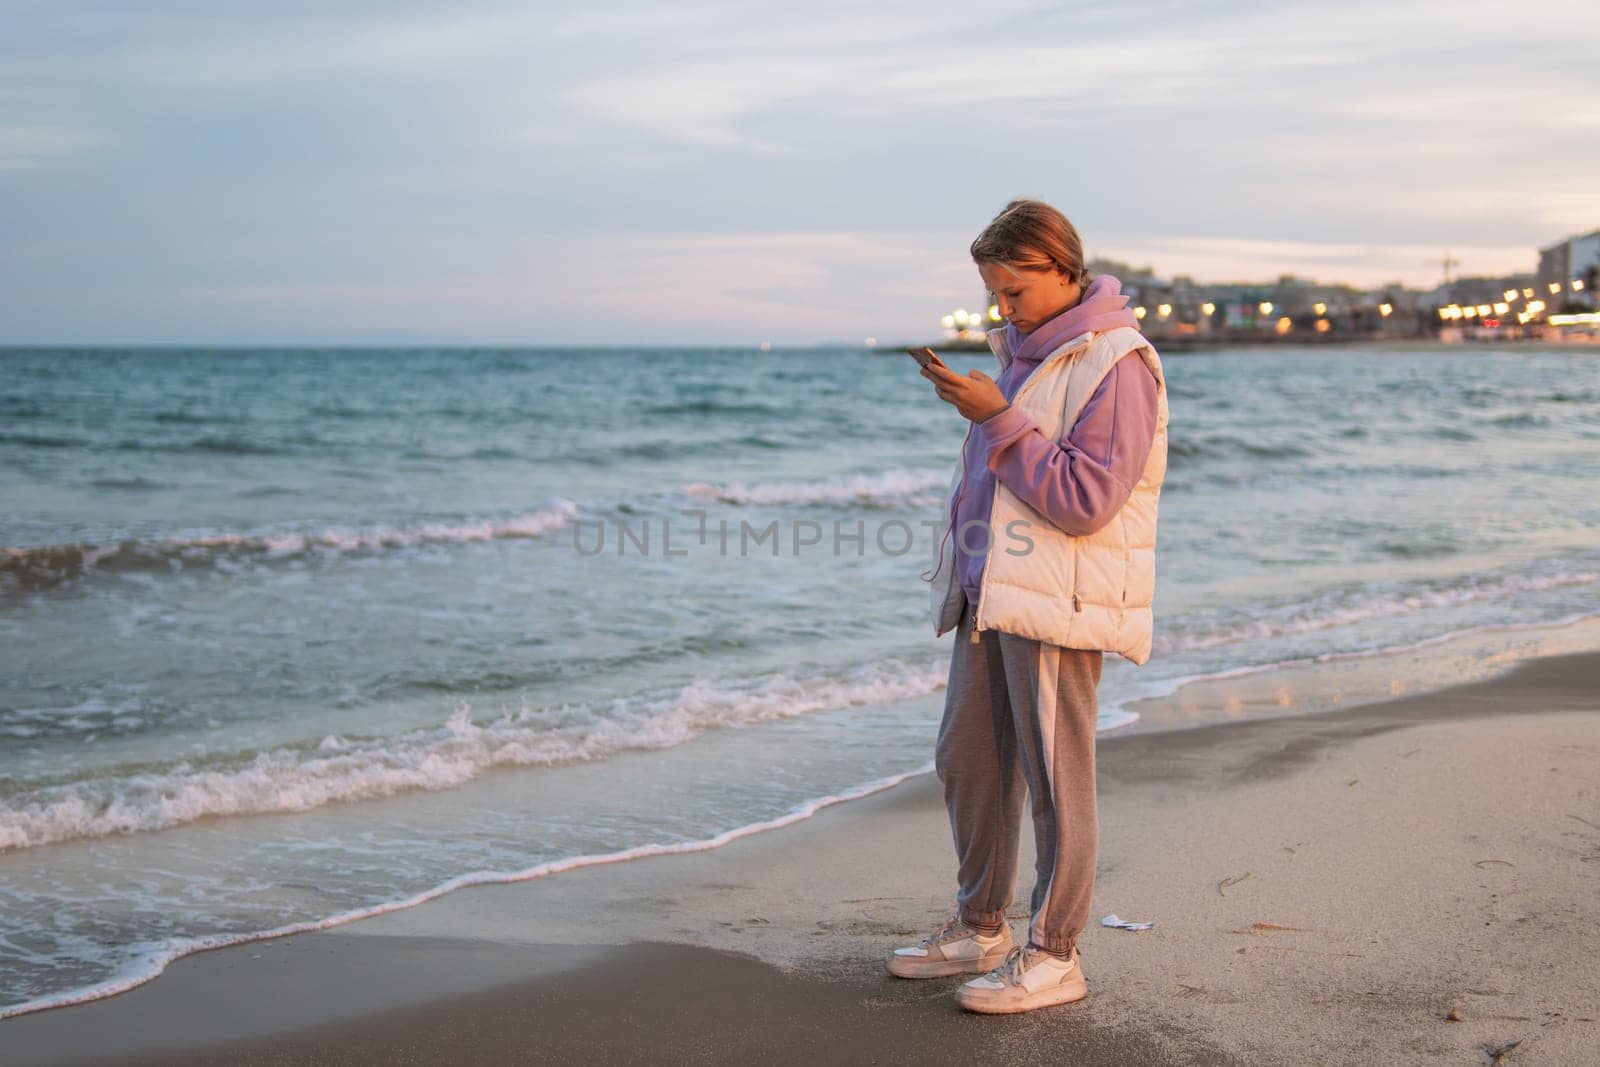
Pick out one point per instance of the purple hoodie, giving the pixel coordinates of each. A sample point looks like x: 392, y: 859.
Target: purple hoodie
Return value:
x: 1080, y: 483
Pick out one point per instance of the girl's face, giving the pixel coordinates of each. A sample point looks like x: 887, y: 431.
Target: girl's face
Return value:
x: 1029, y: 298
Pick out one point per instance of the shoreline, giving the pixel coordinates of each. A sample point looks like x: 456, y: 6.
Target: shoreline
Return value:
x: 1285, y: 688
x: 1238, y: 692
x: 160, y: 962
x: 644, y: 902
x: 1336, y: 680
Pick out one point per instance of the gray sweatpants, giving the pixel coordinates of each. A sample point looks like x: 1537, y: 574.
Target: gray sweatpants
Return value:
x: 1017, y: 712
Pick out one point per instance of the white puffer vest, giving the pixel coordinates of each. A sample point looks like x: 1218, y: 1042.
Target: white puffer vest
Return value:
x: 1076, y: 592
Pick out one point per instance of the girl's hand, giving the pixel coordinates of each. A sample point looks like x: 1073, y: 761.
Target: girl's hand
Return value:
x: 975, y: 396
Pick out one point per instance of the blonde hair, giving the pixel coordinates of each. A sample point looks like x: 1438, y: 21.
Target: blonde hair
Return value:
x: 1032, y: 235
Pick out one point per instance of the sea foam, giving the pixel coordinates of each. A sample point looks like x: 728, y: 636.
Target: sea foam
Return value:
x: 1339, y: 607
x: 892, y: 488
x: 43, y: 566
x: 342, y: 770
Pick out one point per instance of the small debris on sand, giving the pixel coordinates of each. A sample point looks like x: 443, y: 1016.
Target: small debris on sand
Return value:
x: 1502, y: 1050
x: 1235, y: 880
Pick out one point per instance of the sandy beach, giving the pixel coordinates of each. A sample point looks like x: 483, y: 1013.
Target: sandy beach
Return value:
x: 1411, y: 881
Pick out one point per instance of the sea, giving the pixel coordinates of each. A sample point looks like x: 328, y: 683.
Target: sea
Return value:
x: 293, y: 636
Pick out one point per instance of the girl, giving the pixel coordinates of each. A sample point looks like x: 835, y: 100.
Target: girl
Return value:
x: 1046, y: 562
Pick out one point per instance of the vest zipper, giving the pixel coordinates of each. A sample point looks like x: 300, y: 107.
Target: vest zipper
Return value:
x: 977, y: 608
x: 983, y: 579
x: 983, y: 576
x: 989, y: 557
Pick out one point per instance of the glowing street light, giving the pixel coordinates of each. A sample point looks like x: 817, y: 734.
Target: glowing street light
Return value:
x: 1266, y: 307
x: 1502, y: 308
x: 1386, y: 310
x: 948, y: 322
x: 1283, y: 325
x: 1140, y: 312
x: 1528, y: 293
x: 1164, y: 310
x: 1209, y: 308
x: 1321, y: 309
x: 994, y: 312
x: 1577, y: 285
x: 1555, y: 287
x: 1510, y: 295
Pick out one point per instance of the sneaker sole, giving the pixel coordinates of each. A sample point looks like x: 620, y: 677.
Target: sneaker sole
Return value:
x: 987, y: 1002
x: 916, y: 967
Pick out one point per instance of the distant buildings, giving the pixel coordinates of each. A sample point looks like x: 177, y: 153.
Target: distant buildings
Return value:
x: 1557, y: 301
x: 1569, y: 270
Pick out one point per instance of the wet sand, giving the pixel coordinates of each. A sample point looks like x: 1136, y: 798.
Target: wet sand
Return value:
x: 1413, y: 881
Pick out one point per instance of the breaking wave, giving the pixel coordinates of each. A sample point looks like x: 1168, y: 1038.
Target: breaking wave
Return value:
x: 46, y: 566
x: 894, y: 488
x: 343, y: 770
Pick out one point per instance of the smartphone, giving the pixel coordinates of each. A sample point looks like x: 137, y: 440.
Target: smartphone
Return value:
x: 925, y: 356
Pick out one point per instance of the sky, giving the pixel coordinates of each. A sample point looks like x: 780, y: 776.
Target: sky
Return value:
x: 727, y: 173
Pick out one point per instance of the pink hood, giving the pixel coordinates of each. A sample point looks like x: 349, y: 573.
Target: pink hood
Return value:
x: 1102, y: 308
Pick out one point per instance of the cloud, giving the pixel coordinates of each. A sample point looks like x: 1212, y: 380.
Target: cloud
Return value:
x: 698, y: 104
x: 158, y: 47
x: 491, y: 168
x: 31, y: 147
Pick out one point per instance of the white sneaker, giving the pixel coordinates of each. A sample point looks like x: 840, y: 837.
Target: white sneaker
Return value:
x: 954, y: 948
x: 1027, y: 979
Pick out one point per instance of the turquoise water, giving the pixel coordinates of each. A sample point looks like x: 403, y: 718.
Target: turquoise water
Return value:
x: 285, y: 634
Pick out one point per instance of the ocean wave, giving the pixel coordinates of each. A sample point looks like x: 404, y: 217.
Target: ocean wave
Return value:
x: 715, y: 407
x: 1335, y: 608
x: 1169, y: 686
x: 681, y: 448
x: 93, y: 715
x: 41, y: 440
x: 894, y: 488
x: 136, y: 482
x: 344, y: 770
x: 761, y: 440
x: 227, y: 445
x: 150, y: 960
x: 1436, y: 547
x: 46, y: 566
x: 1222, y: 446
x: 189, y: 418
x: 494, y: 452
x: 216, y: 443
x: 1522, y: 420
